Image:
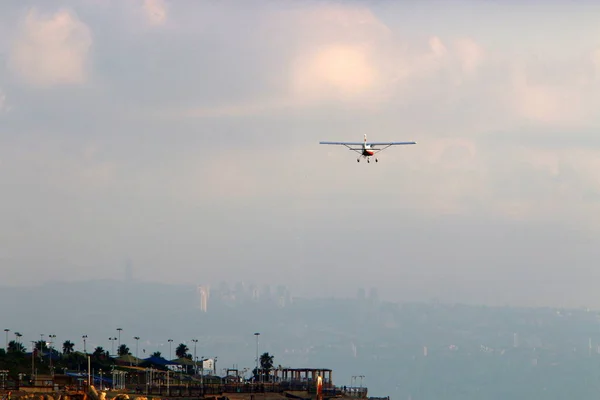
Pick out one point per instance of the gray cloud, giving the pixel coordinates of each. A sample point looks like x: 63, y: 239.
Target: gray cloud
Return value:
x: 189, y: 143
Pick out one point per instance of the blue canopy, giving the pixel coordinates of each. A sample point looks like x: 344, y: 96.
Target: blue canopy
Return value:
x: 84, y: 376
x: 159, y: 361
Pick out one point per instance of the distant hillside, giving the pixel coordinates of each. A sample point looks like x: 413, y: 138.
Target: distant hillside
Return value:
x: 401, y: 349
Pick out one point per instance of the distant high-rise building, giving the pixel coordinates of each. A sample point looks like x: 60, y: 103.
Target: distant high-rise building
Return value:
x: 267, y: 292
x: 373, y: 296
x: 204, y: 293
x: 128, y: 271
x: 223, y: 289
x: 361, y: 294
x: 240, y: 291
x: 283, y: 296
x: 255, y: 291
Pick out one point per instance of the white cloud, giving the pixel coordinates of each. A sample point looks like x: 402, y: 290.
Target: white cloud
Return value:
x: 345, y: 55
x: 3, y: 105
x: 470, y: 53
x: 155, y: 11
x: 51, y: 49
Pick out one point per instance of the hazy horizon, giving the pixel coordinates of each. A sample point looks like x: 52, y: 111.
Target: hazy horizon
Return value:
x: 183, y: 136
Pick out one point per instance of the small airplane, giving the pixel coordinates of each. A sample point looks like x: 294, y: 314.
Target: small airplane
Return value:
x: 367, y: 150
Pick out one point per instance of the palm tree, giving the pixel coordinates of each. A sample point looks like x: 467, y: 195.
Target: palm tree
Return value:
x: 41, y: 345
x: 123, y: 350
x: 99, y: 353
x: 15, y: 347
x: 68, y: 347
x: 156, y: 354
x: 181, y: 350
x: 266, y: 363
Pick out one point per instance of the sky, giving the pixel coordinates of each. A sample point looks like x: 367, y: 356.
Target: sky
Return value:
x: 183, y: 136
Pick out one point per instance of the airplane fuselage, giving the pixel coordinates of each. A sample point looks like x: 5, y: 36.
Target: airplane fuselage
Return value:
x: 367, y: 150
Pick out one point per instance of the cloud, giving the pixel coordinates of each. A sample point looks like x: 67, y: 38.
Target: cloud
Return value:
x: 470, y: 53
x: 155, y: 11
x: 344, y: 55
x: 51, y: 49
x: 215, y: 122
x: 339, y: 71
x: 3, y: 105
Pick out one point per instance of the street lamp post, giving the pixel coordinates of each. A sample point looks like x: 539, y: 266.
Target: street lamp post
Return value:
x: 137, y: 340
x: 202, y: 375
x: 257, y: 334
x: 112, y: 341
x: 195, y: 359
x: 51, y: 342
x: 84, y: 349
x: 170, y: 349
x: 6, y: 331
x: 32, y: 360
x: 119, y: 329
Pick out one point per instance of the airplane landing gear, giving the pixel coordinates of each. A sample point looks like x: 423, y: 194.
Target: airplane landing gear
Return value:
x: 376, y: 160
x: 358, y: 160
x: 368, y: 160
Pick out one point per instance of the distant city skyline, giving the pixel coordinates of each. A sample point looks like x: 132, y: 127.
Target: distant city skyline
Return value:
x: 398, y: 347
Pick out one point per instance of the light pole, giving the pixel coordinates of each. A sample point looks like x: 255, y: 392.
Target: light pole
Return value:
x: 18, y: 337
x: 137, y: 340
x: 51, y: 337
x: 32, y: 360
x: 202, y: 375
x: 112, y: 341
x: 257, y: 334
x: 195, y: 359
x: 6, y: 331
x: 84, y: 349
x: 119, y: 329
x: 170, y: 350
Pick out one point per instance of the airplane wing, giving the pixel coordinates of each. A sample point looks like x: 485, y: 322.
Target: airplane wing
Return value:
x: 344, y: 143
x: 369, y: 143
x: 389, y: 143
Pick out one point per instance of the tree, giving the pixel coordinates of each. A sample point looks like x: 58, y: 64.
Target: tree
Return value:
x: 123, y: 350
x: 181, y: 350
x: 68, y: 347
x: 41, y: 345
x: 156, y: 354
x: 266, y: 362
x: 266, y: 365
x: 99, y: 353
x: 15, y: 347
